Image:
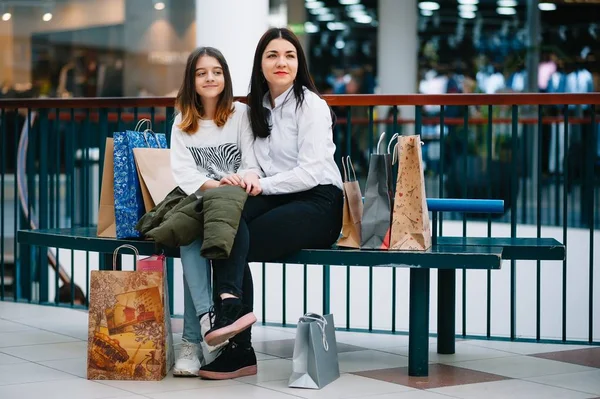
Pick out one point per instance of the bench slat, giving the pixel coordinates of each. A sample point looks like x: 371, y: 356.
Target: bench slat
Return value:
x: 522, y: 248
x: 438, y: 257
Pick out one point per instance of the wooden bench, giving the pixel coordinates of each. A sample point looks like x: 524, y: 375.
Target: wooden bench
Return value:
x: 447, y: 255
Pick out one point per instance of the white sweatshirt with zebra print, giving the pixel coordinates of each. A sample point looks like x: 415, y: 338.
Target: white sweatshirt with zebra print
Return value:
x: 213, y: 152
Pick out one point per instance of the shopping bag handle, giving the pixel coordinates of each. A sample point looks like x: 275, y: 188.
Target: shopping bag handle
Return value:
x: 396, y: 152
x: 116, y: 252
x: 381, y: 137
x: 321, y: 322
x: 141, y: 122
x: 148, y: 131
x: 394, y: 137
x: 349, y: 166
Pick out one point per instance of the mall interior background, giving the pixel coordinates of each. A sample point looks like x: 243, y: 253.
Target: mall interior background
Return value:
x: 108, y: 48
x: 132, y: 48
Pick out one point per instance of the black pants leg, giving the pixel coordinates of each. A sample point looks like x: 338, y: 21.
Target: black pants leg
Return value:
x: 275, y: 226
x: 308, y: 220
x: 245, y: 337
x: 229, y: 273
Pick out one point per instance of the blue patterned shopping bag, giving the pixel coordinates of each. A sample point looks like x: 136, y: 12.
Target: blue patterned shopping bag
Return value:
x: 129, y: 205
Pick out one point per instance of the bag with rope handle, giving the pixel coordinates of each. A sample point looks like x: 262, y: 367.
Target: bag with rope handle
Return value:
x: 315, y: 362
x: 129, y: 323
x: 129, y: 202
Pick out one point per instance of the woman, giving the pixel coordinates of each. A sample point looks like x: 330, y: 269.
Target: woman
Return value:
x: 210, y: 140
x: 296, y: 205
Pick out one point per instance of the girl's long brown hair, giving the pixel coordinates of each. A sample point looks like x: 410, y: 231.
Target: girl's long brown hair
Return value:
x: 188, y: 101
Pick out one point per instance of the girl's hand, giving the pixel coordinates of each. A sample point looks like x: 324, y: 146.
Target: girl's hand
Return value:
x: 252, y: 182
x: 232, y: 180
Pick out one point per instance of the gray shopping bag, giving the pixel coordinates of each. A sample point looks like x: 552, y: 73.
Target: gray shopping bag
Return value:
x: 379, y: 197
x: 315, y: 361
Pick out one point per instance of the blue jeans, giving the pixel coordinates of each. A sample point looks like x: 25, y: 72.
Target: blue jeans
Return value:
x: 197, y: 290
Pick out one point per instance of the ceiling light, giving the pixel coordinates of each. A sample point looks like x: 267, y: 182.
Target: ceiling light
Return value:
x: 467, y: 7
x: 507, y: 3
x: 326, y: 17
x: 547, y: 6
x: 429, y: 5
x: 472, y: 2
x: 159, y: 5
x: 427, y: 13
x: 319, y: 11
x: 467, y: 14
x: 355, y: 7
x: 309, y: 27
x: 6, y: 16
x: 340, y: 44
x: 349, y: 2
x: 354, y: 14
x: 336, y: 26
x: 315, y: 4
x: 47, y: 17
x: 506, y: 11
x: 363, y: 19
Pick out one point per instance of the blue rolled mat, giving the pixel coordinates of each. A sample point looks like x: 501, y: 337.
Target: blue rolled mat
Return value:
x: 465, y: 205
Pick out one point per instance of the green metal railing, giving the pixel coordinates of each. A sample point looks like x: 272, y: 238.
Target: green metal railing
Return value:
x: 490, y: 146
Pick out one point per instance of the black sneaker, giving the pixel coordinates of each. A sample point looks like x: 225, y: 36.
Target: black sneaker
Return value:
x: 232, y: 319
x: 234, y: 361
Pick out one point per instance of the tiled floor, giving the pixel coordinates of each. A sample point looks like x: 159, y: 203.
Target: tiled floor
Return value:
x: 43, y: 355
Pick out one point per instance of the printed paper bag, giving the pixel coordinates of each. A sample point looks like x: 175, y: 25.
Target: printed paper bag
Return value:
x: 315, y: 362
x: 129, y: 204
x: 353, y: 208
x: 377, y: 214
x: 106, y: 212
x: 128, y: 325
x: 155, y: 175
x: 410, y: 222
x: 158, y: 263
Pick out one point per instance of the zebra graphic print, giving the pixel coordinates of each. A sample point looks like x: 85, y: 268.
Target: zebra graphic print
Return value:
x: 218, y: 161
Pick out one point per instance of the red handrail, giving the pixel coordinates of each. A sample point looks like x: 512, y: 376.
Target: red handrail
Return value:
x: 333, y: 100
x: 158, y: 118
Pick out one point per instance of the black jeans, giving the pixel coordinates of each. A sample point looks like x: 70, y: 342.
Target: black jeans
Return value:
x: 273, y: 226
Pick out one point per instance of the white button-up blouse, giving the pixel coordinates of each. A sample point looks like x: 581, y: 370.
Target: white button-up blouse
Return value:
x: 298, y: 154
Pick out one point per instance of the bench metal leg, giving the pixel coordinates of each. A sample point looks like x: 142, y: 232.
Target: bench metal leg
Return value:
x: 418, y: 334
x: 326, y: 289
x: 446, y: 311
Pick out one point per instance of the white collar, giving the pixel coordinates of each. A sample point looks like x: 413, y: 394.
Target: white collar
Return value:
x: 280, y: 100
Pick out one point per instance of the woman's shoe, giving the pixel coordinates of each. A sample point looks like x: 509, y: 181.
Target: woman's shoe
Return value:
x: 234, y: 361
x: 188, y: 362
x: 232, y: 319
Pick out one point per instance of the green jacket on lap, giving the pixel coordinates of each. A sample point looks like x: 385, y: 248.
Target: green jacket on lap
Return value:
x: 180, y: 219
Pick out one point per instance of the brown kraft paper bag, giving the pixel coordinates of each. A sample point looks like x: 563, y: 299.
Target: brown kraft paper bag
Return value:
x: 154, y: 172
x: 410, y: 219
x: 353, y: 208
x: 128, y: 326
x: 107, y: 226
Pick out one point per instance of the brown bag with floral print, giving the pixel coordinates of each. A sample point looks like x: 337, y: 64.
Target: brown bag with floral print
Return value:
x: 129, y: 332
x: 410, y: 218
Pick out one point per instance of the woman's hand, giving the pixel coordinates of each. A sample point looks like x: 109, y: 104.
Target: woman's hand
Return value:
x: 252, y: 182
x: 232, y: 180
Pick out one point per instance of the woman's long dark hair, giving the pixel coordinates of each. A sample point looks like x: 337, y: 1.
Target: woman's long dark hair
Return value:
x: 259, y: 117
x: 188, y: 101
